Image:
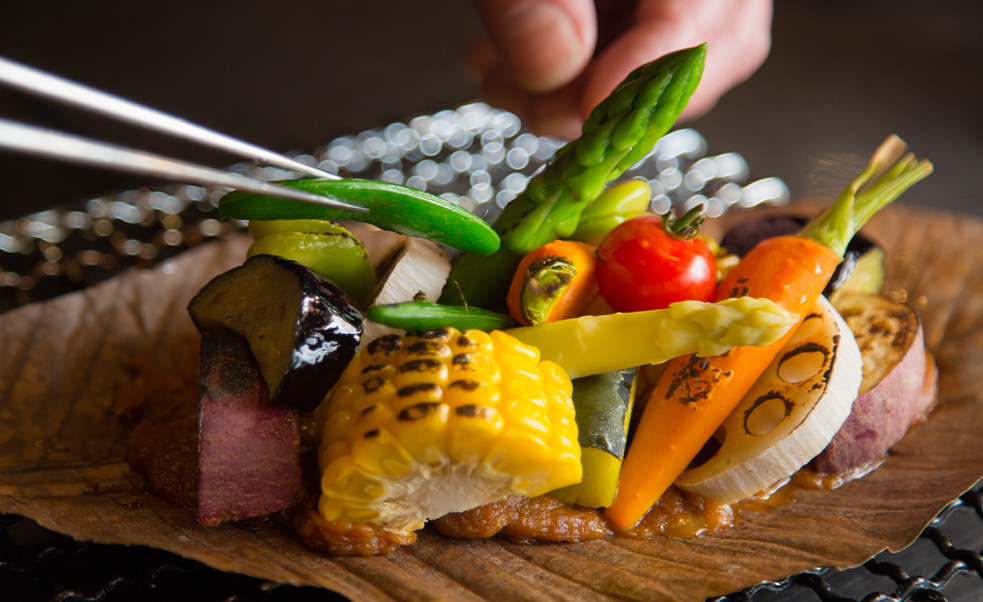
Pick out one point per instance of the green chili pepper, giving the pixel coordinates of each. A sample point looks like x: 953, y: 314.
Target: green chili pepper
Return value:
x: 323, y: 246
x: 621, y: 130
x: 615, y: 206
x: 426, y: 315
x: 391, y: 207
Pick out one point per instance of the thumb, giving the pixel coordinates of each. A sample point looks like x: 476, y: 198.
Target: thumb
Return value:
x: 543, y: 44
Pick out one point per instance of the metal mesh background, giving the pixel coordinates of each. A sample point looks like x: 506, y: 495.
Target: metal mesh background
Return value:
x: 477, y: 157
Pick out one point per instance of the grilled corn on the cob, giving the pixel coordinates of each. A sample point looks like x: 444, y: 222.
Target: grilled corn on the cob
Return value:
x: 440, y: 421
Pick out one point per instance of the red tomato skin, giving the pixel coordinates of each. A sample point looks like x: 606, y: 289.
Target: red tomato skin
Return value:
x: 642, y: 267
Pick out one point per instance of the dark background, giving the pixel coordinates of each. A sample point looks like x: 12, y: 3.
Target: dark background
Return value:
x: 292, y: 75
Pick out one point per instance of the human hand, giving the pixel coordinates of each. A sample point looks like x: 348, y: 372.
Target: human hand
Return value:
x: 552, y: 61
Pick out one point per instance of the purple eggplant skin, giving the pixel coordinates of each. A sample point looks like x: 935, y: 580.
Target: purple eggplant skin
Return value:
x: 302, y: 330
x: 744, y: 236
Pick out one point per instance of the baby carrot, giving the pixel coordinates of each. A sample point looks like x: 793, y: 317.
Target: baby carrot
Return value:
x: 695, y: 394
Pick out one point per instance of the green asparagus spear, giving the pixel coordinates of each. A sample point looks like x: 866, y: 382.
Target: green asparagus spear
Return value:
x: 622, y: 129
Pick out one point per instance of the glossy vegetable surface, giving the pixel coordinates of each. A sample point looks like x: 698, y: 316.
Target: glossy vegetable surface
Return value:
x: 644, y: 264
x: 554, y: 282
x: 324, y: 246
x: 302, y: 330
x: 426, y: 315
x: 788, y: 416
x: 862, y: 270
x: 391, y: 207
x: 596, y: 344
x: 621, y: 130
x: 695, y: 395
x: 442, y: 421
x: 616, y: 205
x: 603, y: 404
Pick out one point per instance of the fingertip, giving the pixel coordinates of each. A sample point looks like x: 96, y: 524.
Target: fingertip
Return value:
x: 544, y: 44
x: 481, y: 57
x: 556, y: 114
x: 500, y: 91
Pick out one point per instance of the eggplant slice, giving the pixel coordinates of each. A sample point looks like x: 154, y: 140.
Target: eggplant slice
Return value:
x: 302, y: 330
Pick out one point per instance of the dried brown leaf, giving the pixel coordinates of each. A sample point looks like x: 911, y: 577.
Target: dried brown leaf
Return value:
x: 62, y: 462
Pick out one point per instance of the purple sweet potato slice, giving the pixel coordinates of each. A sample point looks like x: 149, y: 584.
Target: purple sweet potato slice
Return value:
x: 249, y: 449
x: 898, y: 388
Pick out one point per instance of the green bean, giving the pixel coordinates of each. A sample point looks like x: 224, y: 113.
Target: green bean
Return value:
x: 426, y: 315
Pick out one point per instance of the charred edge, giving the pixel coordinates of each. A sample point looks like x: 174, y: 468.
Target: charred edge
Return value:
x: 467, y: 385
x: 387, y: 343
x: 695, y: 381
x: 418, y: 411
x: 535, y: 283
x: 371, y: 434
x: 410, y: 390
x: 422, y: 365
x: 373, y: 384
x: 373, y: 368
x: 741, y: 290
x: 427, y: 347
x: 474, y: 411
x: 789, y: 406
x: 812, y: 347
x: 464, y: 341
x: 464, y: 361
x: 369, y: 410
x: 436, y: 334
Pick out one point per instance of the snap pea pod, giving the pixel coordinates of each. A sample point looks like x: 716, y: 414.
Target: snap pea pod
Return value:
x: 621, y: 130
x: 391, y: 207
x: 427, y: 315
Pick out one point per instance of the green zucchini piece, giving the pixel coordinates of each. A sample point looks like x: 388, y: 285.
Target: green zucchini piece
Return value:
x: 426, y: 315
x: 390, y: 207
x: 603, y: 404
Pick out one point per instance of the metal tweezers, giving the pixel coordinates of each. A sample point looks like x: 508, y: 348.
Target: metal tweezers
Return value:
x: 67, y: 147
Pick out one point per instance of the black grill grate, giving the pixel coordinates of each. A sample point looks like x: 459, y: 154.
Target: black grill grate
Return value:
x: 944, y: 565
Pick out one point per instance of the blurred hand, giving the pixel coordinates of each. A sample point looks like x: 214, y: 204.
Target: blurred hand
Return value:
x: 551, y: 61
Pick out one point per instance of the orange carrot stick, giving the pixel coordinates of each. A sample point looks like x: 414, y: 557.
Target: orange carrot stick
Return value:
x: 695, y: 395
x: 554, y: 282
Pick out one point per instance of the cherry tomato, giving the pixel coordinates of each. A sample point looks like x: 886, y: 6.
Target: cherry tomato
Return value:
x: 644, y: 265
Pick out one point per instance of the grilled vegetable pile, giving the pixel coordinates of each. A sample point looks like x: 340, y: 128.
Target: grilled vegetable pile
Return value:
x: 527, y: 376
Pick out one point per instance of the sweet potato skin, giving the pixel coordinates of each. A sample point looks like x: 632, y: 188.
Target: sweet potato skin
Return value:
x: 899, y: 388
x: 249, y: 449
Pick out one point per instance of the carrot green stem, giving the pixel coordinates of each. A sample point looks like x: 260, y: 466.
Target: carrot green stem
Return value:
x: 896, y: 171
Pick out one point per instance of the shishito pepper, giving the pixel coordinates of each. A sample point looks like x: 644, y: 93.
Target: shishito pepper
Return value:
x: 427, y: 315
x: 616, y: 205
x: 324, y: 246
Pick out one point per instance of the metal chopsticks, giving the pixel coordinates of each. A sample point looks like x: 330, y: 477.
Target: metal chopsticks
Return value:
x: 58, y: 145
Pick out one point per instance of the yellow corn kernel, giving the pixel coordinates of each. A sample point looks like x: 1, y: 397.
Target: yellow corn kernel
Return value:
x: 378, y: 452
x: 441, y: 421
x: 473, y: 429
x: 555, y: 376
x: 471, y: 392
